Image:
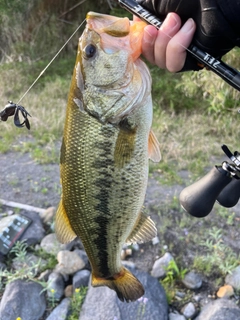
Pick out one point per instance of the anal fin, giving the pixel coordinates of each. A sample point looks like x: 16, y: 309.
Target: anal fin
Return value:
x: 143, y: 231
x: 63, y: 229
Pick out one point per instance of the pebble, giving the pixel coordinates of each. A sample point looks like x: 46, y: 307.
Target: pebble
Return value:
x: 192, y: 280
x: 35, y: 232
x: 51, y: 245
x: 225, y: 291
x: 68, y: 292
x: 56, y: 286
x: 69, y: 262
x: 233, y: 279
x: 189, y: 310
x: 160, y: 265
x: 175, y: 316
x: 81, y: 279
x: 155, y: 241
x: 30, y: 261
x: 48, y: 215
x: 61, y: 311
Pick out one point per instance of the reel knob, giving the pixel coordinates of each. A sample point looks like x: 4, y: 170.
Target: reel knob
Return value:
x: 230, y: 195
x: 198, y: 199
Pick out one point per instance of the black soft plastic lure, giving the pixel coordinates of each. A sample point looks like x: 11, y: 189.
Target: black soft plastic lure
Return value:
x: 13, y: 109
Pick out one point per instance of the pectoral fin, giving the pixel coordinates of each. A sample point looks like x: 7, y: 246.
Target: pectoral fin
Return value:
x: 63, y: 229
x: 124, y: 149
x: 143, y: 231
x: 153, y: 148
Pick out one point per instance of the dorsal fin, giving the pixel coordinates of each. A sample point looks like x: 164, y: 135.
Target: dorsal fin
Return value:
x: 153, y: 147
x: 63, y: 229
x: 143, y: 231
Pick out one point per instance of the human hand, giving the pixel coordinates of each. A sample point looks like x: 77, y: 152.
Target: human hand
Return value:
x: 217, y: 26
x: 167, y: 47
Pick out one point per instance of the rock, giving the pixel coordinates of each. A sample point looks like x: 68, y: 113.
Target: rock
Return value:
x: 174, y: 316
x: 154, y: 308
x: 160, y: 265
x: 129, y: 265
x: 81, y: 279
x: 69, y: 262
x: 45, y: 275
x: 35, y: 232
x: 68, y: 292
x: 22, y: 299
x: 189, y: 310
x: 51, y: 245
x: 30, y: 262
x: 233, y: 279
x: 55, y: 286
x: 192, y: 280
x: 155, y: 240
x: 2, y: 266
x: 82, y: 254
x: 220, y: 309
x: 61, y: 311
x: 225, y: 291
x: 48, y: 215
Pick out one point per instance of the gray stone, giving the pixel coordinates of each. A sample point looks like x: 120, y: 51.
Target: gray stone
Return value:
x: 51, y: 245
x: 69, y: 262
x: 30, y: 262
x: 45, y: 275
x: 82, y: 254
x: 48, y: 215
x: 55, y: 286
x: 189, y: 310
x: 174, y: 316
x: 22, y: 299
x: 153, y: 306
x: 233, y: 279
x: 220, y: 309
x: 192, y: 280
x: 160, y: 265
x: 81, y: 279
x: 61, y: 311
x: 35, y: 232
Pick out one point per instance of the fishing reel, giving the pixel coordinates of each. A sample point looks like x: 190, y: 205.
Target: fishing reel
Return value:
x: 221, y: 184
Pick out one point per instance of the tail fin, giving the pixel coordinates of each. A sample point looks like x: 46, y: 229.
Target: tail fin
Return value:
x: 126, y: 285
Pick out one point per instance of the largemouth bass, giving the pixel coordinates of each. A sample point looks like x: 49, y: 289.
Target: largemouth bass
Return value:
x: 106, y: 145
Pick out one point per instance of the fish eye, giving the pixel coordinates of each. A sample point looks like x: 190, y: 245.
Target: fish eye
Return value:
x: 89, y: 51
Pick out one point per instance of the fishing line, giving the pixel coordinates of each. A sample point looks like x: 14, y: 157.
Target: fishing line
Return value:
x: 42, y: 72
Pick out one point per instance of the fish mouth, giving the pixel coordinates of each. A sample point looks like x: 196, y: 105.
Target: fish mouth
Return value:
x: 117, y: 33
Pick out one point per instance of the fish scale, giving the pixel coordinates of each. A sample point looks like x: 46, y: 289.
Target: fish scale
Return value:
x: 104, y: 159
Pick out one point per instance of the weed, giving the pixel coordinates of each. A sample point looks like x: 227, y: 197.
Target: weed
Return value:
x: 76, y: 302
x: 218, y: 257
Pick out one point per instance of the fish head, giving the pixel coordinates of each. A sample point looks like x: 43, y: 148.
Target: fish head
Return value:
x: 105, y: 69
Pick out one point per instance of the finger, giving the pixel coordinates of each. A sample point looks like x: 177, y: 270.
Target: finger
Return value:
x: 176, y: 49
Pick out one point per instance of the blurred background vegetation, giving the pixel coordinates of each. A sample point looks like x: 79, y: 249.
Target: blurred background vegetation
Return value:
x: 194, y: 113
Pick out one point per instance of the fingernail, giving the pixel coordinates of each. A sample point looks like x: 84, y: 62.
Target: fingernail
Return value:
x: 170, y: 22
x: 150, y: 35
x: 188, y: 25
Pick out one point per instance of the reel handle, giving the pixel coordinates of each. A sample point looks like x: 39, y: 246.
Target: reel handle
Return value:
x: 198, y: 199
x: 230, y: 195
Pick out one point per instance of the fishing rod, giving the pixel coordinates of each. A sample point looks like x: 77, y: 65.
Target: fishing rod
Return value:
x: 223, y: 70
